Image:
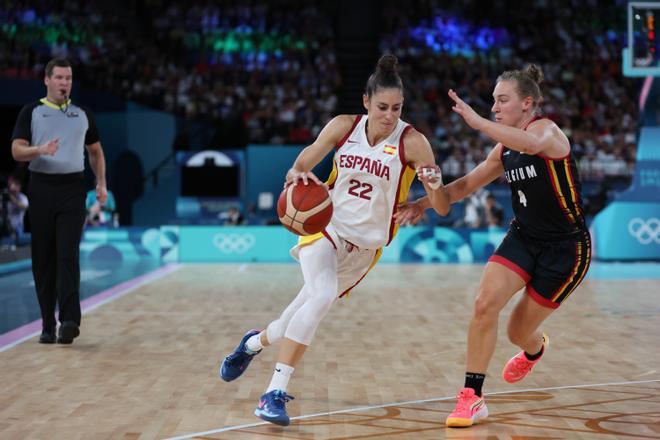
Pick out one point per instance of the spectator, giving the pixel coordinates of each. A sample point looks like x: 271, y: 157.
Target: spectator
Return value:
x: 14, y: 205
x: 232, y: 217
x: 494, y: 212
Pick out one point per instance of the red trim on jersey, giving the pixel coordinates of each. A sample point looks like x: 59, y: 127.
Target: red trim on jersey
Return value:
x: 557, y: 191
x: 543, y: 156
x: 353, y: 286
x: 402, y: 150
x: 522, y: 273
x: 404, y: 166
x: 545, y: 302
x: 326, y: 235
x: 345, y: 138
x: 396, y: 206
x: 332, y: 185
x: 534, y: 119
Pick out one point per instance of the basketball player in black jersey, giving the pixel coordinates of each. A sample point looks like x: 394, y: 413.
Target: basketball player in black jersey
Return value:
x: 547, y: 249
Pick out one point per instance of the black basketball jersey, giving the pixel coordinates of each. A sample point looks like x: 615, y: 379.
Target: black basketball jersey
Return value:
x: 545, y: 194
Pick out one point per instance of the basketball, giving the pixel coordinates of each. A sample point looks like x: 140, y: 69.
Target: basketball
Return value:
x: 305, y: 209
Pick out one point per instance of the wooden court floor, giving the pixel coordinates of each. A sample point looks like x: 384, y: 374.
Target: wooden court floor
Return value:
x: 385, y: 364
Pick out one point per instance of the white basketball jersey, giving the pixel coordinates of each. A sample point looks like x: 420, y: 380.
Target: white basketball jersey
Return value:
x: 367, y: 184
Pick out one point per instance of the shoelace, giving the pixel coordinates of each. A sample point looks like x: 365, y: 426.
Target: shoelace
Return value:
x: 520, y: 364
x: 281, y: 398
x: 463, y: 403
x: 235, y: 357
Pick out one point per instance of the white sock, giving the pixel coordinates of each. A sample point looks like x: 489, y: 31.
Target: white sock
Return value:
x: 253, y: 344
x: 281, y: 377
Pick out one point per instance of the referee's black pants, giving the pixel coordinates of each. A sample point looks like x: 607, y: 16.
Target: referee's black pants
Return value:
x: 57, y: 215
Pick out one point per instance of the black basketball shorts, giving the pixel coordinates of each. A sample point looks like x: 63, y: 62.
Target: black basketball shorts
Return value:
x: 551, y: 269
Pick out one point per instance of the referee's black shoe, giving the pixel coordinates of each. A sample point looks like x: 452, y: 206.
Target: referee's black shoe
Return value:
x: 68, y: 331
x: 47, y: 337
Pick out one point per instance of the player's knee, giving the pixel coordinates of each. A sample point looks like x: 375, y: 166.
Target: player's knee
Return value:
x: 325, y: 292
x: 274, y: 331
x: 486, y: 306
x: 324, y: 298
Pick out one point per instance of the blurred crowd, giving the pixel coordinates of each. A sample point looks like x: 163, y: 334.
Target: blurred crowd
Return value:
x: 254, y: 62
x: 271, y: 66
x: 580, y: 54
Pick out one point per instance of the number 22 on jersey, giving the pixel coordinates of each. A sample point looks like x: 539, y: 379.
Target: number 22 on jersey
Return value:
x: 360, y: 189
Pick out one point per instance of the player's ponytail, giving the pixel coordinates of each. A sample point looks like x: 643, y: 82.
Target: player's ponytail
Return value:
x: 385, y: 76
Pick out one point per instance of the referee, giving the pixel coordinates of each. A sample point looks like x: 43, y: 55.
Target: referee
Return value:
x: 50, y: 134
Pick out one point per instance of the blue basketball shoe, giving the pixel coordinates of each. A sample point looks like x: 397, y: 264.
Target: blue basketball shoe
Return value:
x: 236, y: 363
x: 272, y: 407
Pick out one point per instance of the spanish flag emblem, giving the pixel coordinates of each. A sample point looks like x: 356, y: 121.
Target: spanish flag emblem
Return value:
x: 389, y: 149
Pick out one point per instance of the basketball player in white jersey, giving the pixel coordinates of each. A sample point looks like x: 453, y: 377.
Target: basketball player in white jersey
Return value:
x: 376, y: 159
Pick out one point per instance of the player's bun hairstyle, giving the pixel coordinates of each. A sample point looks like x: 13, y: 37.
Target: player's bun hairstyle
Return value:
x: 385, y: 76
x: 527, y: 82
x: 534, y: 72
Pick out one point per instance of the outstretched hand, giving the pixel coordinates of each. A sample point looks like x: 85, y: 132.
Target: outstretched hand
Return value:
x: 409, y: 213
x: 468, y: 114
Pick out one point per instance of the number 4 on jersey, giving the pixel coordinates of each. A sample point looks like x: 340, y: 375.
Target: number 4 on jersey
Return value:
x: 522, y: 198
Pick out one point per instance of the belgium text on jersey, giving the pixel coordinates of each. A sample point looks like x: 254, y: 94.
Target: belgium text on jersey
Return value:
x: 521, y: 173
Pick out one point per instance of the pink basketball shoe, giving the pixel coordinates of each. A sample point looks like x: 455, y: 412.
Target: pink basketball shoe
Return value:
x: 519, y: 366
x: 469, y: 409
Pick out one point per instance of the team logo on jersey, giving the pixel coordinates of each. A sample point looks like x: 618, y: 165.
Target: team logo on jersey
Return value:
x: 389, y: 149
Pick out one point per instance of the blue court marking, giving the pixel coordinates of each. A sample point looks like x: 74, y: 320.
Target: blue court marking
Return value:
x: 18, y: 298
x: 15, y: 266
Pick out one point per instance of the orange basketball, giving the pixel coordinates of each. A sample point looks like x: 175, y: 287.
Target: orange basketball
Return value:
x: 305, y: 209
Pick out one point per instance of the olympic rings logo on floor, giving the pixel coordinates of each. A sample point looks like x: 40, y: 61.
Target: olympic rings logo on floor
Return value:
x: 645, y: 231
x: 234, y: 243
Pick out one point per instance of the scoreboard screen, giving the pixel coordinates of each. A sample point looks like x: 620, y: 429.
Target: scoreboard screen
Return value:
x: 643, y: 40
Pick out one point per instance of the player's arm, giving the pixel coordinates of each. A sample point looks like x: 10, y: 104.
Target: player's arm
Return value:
x: 419, y: 154
x: 541, y: 136
x: 483, y: 174
x: 308, y: 158
x: 480, y: 176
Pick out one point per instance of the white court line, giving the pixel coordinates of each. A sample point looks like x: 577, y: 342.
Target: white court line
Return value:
x: 409, y: 402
